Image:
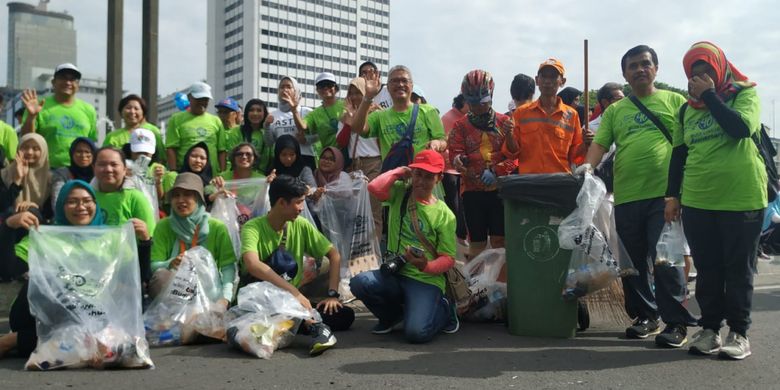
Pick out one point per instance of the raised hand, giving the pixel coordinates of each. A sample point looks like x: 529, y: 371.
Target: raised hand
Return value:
x: 289, y: 98
x: 268, y: 121
x: 373, y: 85
x: 31, y: 102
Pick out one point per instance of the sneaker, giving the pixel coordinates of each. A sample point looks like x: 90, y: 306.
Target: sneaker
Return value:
x: 454, y: 323
x: 673, y: 336
x: 737, y: 347
x: 704, y: 342
x: 321, y: 339
x: 642, y: 329
x: 385, y: 327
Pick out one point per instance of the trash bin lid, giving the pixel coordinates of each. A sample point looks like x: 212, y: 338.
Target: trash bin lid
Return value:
x: 547, y: 190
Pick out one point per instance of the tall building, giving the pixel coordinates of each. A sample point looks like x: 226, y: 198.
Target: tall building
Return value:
x: 253, y: 43
x: 38, y: 40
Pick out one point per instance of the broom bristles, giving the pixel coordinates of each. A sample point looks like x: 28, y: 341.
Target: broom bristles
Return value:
x: 608, y: 305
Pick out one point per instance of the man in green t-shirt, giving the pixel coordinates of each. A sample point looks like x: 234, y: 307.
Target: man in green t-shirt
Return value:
x: 61, y: 117
x: 324, y: 120
x: 390, y: 125
x: 410, y: 285
x: 188, y: 128
x: 640, y: 181
x: 272, y: 250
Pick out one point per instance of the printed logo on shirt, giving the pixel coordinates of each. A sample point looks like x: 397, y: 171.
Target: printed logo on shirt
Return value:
x: 640, y: 118
x: 66, y: 122
x: 201, y: 131
x: 705, y: 123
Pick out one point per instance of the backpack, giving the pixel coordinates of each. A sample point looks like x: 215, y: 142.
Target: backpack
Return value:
x: 767, y: 151
x: 402, y: 152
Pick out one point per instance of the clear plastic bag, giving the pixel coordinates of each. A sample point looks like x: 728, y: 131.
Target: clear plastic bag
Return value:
x: 265, y: 319
x: 598, y: 256
x: 488, y: 290
x: 226, y: 210
x: 187, y: 306
x: 251, y: 197
x: 140, y: 180
x: 85, y: 293
x: 670, y: 248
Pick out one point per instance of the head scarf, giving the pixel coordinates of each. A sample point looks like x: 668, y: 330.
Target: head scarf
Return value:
x: 184, y: 227
x: 59, y: 208
x: 36, y: 186
x: 360, y: 84
x: 287, y: 141
x: 206, y: 174
x: 283, y: 106
x: 246, y: 128
x: 85, y: 173
x: 323, y: 178
x: 729, y: 79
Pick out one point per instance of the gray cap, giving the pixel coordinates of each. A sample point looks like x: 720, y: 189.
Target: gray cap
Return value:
x: 188, y: 181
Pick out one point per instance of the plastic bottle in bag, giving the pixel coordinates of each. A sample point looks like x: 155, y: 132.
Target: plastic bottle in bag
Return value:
x: 670, y: 247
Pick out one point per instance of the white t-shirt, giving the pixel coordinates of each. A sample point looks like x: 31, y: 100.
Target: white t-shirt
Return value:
x: 284, y: 123
x: 383, y: 99
x: 369, y: 147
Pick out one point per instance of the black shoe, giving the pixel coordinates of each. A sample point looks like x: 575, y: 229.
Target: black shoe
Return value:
x: 322, y: 339
x: 642, y: 329
x: 673, y: 336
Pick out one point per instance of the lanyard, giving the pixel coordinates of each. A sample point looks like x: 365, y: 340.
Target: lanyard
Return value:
x: 183, y: 248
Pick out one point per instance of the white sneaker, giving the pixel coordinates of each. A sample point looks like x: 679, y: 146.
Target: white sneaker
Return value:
x: 737, y: 347
x: 704, y: 342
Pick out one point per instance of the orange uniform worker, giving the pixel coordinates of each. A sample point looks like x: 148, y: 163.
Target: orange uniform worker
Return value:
x: 547, y: 136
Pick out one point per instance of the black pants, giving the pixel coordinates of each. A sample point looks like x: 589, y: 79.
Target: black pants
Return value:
x: 723, y: 245
x: 23, y: 323
x: 639, y: 226
x: 484, y: 212
x: 452, y: 198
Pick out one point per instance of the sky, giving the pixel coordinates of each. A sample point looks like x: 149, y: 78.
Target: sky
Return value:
x: 441, y: 40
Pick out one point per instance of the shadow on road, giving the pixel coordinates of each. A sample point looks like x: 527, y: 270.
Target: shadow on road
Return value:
x: 766, y: 300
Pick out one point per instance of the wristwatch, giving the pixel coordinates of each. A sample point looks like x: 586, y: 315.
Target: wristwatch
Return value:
x: 333, y: 293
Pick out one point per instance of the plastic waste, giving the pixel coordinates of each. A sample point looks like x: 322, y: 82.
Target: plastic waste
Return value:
x: 670, y: 248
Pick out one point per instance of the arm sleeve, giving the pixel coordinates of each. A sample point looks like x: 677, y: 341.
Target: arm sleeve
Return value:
x: 144, y: 211
x: 729, y: 119
x: 172, y: 134
x: 373, y: 123
x: 308, y: 177
x: 227, y: 276
x: 144, y: 259
x: 439, y: 265
x: 381, y: 185
x: 455, y: 142
x: 576, y: 155
x: 676, y: 165
x: 162, y: 246
x: 435, y: 126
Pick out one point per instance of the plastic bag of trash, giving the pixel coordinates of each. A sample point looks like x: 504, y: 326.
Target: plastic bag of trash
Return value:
x: 188, y: 305
x: 251, y: 197
x: 265, y: 319
x: 670, y: 248
x: 85, y: 293
x: 141, y: 180
x: 487, y: 282
x: 225, y: 209
x: 598, y: 256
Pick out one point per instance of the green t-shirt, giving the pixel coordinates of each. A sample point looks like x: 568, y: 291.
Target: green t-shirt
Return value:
x: 60, y: 125
x: 229, y: 175
x: 124, y: 204
x: 437, y: 224
x: 259, y: 237
x: 22, y: 248
x: 324, y: 121
x: 8, y: 140
x: 723, y: 173
x: 390, y: 126
x: 218, y: 242
x: 120, y: 137
x: 234, y: 137
x: 186, y: 130
x: 642, y: 151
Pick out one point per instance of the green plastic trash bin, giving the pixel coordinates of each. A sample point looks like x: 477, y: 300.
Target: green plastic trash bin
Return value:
x: 534, y: 206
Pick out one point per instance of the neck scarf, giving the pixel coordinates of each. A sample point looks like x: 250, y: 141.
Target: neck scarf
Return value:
x: 287, y: 141
x: 283, y: 106
x: 59, y: 208
x: 323, y: 178
x: 485, y: 121
x: 184, y: 227
x: 729, y: 79
x: 82, y: 173
x: 36, y: 186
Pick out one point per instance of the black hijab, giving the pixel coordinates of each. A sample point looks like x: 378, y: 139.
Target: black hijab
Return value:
x: 86, y: 173
x: 206, y: 174
x: 287, y: 141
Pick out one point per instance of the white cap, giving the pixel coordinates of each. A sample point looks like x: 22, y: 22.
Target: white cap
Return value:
x: 200, y: 90
x: 142, y: 141
x: 67, y: 66
x: 325, y: 76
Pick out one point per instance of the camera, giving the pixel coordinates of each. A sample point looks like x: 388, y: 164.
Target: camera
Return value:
x: 392, y: 263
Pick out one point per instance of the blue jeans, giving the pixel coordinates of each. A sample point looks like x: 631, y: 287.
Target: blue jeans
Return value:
x: 422, y: 306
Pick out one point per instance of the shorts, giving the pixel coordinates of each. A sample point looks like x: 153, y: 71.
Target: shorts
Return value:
x: 484, y: 214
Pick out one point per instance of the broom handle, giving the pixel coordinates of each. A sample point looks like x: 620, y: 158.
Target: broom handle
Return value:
x: 587, y: 92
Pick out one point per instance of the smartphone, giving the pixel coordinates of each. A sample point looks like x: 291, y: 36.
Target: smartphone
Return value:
x: 416, y: 251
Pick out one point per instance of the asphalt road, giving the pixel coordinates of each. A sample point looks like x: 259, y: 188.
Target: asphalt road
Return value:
x: 479, y: 356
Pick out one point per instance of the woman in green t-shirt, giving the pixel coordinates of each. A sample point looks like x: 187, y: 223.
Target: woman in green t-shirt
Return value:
x: 243, y: 162
x: 251, y: 131
x: 718, y: 170
x: 133, y: 110
x: 190, y: 225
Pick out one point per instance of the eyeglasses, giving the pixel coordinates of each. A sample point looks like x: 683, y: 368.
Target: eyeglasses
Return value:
x: 328, y: 158
x: 73, y: 203
x: 244, y: 154
x: 326, y: 86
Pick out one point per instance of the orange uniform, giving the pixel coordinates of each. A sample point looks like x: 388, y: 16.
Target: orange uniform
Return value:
x: 547, y: 143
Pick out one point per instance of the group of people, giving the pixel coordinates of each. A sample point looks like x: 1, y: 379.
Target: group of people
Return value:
x: 674, y: 158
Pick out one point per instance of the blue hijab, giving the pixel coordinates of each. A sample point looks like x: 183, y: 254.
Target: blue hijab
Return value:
x: 59, y: 208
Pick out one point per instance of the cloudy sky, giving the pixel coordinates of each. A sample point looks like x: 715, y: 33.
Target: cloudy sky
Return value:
x: 441, y: 40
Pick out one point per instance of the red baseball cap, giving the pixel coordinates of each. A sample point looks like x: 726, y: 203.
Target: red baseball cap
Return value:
x: 428, y: 160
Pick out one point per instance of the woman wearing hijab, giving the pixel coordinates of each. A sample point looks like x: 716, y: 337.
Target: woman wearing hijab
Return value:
x: 252, y: 132
x: 76, y: 206
x: 281, y: 121
x: 189, y: 225
x: 331, y: 170
x: 196, y: 161
x: 82, y: 152
x: 36, y: 185
x: 288, y: 161
x: 723, y: 194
